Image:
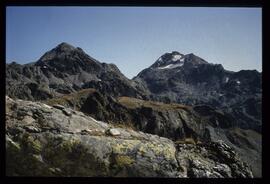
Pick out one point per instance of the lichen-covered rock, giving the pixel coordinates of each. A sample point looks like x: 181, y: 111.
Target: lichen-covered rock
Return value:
x: 213, y: 160
x: 54, y: 144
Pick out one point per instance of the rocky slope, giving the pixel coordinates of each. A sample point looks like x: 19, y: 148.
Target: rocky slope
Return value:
x: 42, y: 140
x: 190, y: 80
x: 63, y: 70
x: 174, y: 121
x: 167, y: 120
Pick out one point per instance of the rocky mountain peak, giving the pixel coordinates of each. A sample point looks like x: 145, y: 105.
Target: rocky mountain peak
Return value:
x: 61, y: 51
x: 176, y: 59
x: 194, y: 60
x: 168, y: 58
x: 65, y: 47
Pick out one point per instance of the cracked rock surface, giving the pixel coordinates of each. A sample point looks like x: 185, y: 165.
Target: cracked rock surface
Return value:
x: 46, y: 141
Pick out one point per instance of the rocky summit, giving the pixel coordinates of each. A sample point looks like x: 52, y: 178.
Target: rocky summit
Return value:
x: 68, y: 114
x: 63, y: 70
x: 190, y: 80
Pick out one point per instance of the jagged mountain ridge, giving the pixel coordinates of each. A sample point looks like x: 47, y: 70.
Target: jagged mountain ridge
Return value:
x: 176, y: 59
x: 63, y: 70
x: 194, y: 77
x: 191, y: 80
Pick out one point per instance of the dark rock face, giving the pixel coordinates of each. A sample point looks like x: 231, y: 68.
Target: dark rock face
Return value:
x: 171, y: 121
x: 63, y: 70
x: 42, y: 140
x: 193, y: 81
x: 223, y: 99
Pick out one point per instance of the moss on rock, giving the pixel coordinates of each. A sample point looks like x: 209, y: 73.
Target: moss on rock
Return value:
x: 30, y: 144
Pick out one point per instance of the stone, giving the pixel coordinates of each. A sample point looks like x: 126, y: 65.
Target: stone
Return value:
x: 224, y: 169
x: 61, y: 107
x: 114, y: 132
x: 32, y: 129
x: 67, y: 112
x: 28, y: 119
x: 9, y: 99
x: 46, y: 106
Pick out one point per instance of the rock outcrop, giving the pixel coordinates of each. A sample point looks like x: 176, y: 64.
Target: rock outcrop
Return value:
x: 43, y: 140
x: 174, y: 121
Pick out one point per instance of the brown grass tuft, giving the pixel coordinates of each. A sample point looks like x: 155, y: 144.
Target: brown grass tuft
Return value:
x: 134, y: 103
x: 186, y: 141
x: 69, y: 99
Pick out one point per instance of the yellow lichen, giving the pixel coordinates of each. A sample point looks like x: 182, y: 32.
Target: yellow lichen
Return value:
x: 123, y: 160
x: 167, y: 151
x: 164, y: 150
x: 124, y: 146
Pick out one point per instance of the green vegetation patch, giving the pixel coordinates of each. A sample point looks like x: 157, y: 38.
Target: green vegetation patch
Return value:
x: 30, y: 144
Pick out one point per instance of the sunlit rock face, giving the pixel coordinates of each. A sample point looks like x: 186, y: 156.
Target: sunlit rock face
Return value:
x: 43, y: 140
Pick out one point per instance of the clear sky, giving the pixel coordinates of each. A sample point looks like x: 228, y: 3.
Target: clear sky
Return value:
x: 133, y: 38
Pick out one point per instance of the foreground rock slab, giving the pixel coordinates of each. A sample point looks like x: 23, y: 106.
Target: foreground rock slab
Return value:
x: 54, y: 143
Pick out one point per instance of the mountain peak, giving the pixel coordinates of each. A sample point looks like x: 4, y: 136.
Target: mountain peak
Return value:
x: 65, y: 46
x: 176, y: 53
x: 60, y: 51
x: 168, y: 58
x: 176, y: 59
x: 194, y: 60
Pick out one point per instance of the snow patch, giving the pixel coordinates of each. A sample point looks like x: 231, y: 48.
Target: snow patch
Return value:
x: 160, y: 59
x: 227, y: 79
x: 176, y: 57
x: 238, y: 82
x: 170, y: 66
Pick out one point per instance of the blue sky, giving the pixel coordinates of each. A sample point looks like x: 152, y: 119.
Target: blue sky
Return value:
x: 135, y: 37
